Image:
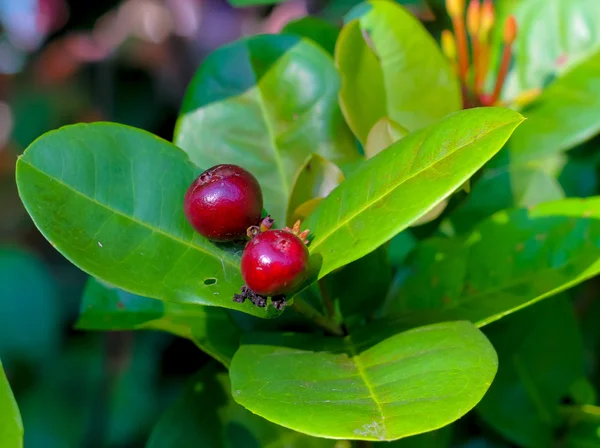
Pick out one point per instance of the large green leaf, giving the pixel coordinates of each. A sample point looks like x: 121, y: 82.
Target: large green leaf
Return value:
x: 553, y: 36
x: 372, y: 385
x: 392, y: 67
x: 30, y: 316
x: 318, y: 30
x: 565, y: 114
x: 508, y: 262
x: 205, y: 415
x: 11, y: 426
x: 521, y: 185
x: 265, y: 103
x: 109, y: 198
x: 540, y: 356
x: 404, y: 182
x: 105, y: 307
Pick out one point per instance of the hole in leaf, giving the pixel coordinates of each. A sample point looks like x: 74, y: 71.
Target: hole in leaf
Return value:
x: 210, y: 281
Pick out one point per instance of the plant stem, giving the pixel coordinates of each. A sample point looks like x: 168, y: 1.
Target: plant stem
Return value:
x: 329, y: 305
x: 460, y: 34
x: 504, y: 66
x: 304, y: 308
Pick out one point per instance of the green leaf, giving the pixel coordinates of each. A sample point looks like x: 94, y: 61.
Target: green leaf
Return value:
x: 521, y: 185
x: 247, y: 3
x: 553, y: 36
x: 361, y: 286
x: 205, y: 415
x: 11, y: 426
x: 399, y: 185
x: 565, y: 115
x: 318, y: 30
x: 364, y: 386
x: 315, y: 179
x: 109, y: 198
x: 382, y: 135
x: 106, y: 308
x: 27, y: 334
x: 584, y: 429
x: 265, y: 103
x: 508, y: 262
x: 540, y: 355
x: 392, y: 67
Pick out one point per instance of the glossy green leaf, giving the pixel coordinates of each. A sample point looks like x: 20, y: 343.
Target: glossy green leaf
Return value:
x: 265, y: 103
x: 521, y: 185
x: 106, y: 308
x: 26, y: 287
x: 205, y: 415
x: 540, y: 355
x: 318, y: 30
x: 565, y: 114
x: 382, y: 135
x: 584, y: 426
x: 11, y: 426
x: 553, y: 36
x: 399, y: 185
x: 109, y: 198
x: 372, y: 385
x: 392, y: 67
x: 360, y: 287
x: 315, y: 179
x: 508, y: 262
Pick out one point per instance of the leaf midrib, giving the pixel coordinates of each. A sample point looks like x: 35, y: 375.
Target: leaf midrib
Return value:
x: 341, y: 224
x: 354, y: 356
x: 226, y: 257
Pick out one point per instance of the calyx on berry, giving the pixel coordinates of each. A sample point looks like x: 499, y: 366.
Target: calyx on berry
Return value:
x: 223, y: 202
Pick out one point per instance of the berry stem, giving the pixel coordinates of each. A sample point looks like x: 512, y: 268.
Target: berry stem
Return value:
x: 319, y: 319
x: 326, y: 298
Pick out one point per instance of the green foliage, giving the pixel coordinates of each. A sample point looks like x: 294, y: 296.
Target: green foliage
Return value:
x: 11, y: 426
x: 427, y: 223
x: 371, y: 385
x: 210, y: 328
x: 508, y: 262
x: 26, y: 287
x: 540, y: 353
x: 386, y: 194
x: 391, y: 67
x: 134, y: 233
x: 265, y: 103
x: 206, y: 415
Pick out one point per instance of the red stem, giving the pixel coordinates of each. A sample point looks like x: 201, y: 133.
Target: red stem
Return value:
x: 504, y: 66
x: 460, y: 33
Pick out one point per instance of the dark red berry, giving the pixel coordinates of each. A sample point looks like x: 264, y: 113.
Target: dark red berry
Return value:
x: 274, y: 262
x: 223, y: 202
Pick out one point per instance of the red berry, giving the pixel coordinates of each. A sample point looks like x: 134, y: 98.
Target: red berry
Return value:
x: 223, y: 202
x: 274, y: 262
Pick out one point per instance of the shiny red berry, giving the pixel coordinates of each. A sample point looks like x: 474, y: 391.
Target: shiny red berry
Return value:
x: 274, y: 262
x: 223, y: 202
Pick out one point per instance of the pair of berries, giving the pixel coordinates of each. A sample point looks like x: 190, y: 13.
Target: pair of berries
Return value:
x: 225, y: 204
